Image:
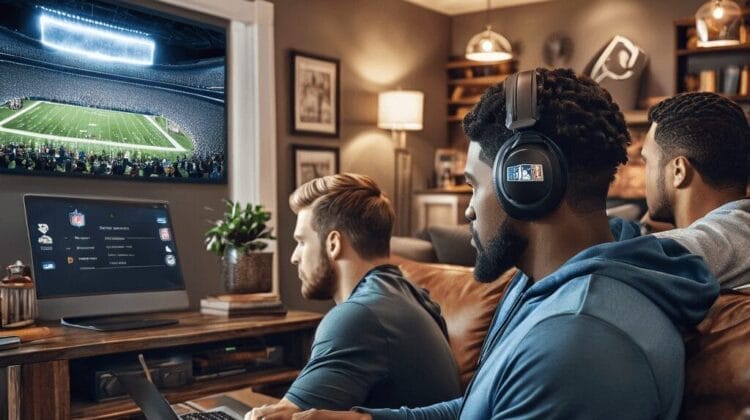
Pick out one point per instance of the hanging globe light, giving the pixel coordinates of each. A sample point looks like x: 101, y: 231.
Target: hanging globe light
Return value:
x: 718, y: 23
x: 488, y: 46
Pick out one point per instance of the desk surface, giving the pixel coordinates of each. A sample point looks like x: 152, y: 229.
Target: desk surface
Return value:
x: 193, y: 328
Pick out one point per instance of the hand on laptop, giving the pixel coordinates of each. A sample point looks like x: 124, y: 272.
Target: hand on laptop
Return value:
x: 330, y: 415
x: 283, y: 410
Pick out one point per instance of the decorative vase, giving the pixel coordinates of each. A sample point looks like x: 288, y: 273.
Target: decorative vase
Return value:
x: 246, y: 272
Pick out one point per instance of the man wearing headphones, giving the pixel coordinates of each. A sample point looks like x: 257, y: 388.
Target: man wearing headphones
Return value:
x: 590, y: 327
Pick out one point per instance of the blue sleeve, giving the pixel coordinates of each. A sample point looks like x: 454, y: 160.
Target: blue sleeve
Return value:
x: 442, y: 411
x: 576, y: 366
x: 349, y: 356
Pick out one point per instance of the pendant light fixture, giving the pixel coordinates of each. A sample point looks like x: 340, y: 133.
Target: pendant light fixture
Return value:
x: 488, y: 45
x: 718, y: 23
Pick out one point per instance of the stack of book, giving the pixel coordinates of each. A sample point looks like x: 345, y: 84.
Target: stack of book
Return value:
x: 243, y: 304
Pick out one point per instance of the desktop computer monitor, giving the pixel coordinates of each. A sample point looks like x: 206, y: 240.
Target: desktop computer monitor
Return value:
x: 94, y: 257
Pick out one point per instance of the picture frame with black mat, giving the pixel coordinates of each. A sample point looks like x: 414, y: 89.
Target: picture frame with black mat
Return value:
x: 315, y: 95
x: 310, y: 162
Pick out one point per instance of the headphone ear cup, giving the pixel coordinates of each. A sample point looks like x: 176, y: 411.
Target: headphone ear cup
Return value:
x: 529, y: 176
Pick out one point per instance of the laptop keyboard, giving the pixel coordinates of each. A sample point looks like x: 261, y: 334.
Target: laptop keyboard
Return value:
x: 207, y: 416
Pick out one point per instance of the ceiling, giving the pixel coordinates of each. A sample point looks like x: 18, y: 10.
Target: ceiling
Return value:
x: 457, y: 7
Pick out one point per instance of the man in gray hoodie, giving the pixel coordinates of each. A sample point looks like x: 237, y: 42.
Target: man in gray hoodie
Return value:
x: 696, y: 154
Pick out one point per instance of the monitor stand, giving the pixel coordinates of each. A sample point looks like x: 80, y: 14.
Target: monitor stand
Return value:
x: 115, y: 323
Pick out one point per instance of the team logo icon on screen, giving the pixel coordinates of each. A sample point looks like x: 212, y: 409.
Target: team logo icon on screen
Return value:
x: 77, y: 219
x: 165, y: 235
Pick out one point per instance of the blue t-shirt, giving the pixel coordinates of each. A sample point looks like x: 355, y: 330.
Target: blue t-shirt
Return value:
x: 384, y: 347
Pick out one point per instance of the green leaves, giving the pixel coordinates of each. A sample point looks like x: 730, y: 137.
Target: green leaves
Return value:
x: 242, y: 228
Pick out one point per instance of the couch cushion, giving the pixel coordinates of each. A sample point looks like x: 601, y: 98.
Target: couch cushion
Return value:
x: 453, y: 244
x: 413, y: 249
x: 466, y: 305
x: 717, y: 380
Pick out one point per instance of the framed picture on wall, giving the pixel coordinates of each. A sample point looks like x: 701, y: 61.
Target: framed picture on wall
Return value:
x: 315, y: 95
x: 310, y: 162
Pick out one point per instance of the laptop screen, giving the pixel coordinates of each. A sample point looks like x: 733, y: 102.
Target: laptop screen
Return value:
x: 82, y: 246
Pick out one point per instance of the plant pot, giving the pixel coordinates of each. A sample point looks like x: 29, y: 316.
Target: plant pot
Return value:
x: 247, y: 272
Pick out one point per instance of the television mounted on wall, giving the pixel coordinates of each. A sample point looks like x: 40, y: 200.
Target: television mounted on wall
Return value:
x: 109, y: 90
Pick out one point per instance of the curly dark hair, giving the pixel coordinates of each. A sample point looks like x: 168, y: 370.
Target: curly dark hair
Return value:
x: 579, y: 116
x: 710, y: 131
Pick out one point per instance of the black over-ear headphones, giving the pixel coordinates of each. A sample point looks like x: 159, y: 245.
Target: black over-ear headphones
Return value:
x: 530, y: 173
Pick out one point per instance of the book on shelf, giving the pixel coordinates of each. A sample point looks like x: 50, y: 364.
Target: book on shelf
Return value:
x: 731, y: 80
x: 707, y: 81
x: 745, y: 81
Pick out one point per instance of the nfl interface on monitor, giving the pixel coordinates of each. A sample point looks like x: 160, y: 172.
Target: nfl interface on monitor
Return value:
x: 102, y: 256
x: 101, y: 89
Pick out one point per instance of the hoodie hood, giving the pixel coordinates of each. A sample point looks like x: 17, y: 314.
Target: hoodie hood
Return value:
x: 678, y: 282
x: 624, y: 229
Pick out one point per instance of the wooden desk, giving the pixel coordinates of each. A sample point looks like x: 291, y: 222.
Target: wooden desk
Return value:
x: 39, y: 370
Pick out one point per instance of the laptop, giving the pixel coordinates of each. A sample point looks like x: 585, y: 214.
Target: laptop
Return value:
x: 156, y: 407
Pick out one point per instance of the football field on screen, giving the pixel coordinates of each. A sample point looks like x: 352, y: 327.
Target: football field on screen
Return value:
x: 42, y: 122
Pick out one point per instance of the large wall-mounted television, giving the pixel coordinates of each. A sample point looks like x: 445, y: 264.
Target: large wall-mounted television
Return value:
x: 110, y: 90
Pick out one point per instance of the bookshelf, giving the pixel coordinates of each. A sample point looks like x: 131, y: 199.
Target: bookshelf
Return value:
x: 724, y: 69
x: 467, y: 80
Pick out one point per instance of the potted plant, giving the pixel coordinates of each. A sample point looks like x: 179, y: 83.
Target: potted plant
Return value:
x: 239, y: 239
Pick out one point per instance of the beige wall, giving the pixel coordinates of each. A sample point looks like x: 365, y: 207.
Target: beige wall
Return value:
x: 382, y: 44
x: 590, y: 24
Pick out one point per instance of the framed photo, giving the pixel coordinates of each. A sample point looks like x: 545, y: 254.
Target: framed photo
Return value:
x: 315, y: 95
x: 310, y: 162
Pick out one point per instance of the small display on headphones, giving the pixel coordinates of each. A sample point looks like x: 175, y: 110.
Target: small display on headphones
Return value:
x: 526, y: 172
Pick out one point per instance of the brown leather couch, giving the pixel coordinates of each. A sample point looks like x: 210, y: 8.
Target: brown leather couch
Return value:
x: 717, y: 383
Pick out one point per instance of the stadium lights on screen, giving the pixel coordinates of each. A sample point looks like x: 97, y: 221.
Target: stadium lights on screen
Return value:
x: 85, y: 92
x: 96, y: 43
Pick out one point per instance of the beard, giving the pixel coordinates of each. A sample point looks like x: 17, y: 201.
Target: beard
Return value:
x: 661, y: 210
x: 502, y: 252
x: 321, y: 283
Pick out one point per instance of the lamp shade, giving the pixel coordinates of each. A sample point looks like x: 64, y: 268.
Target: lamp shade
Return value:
x: 488, y: 46
x: 400, y: 110
x: 718, y: 23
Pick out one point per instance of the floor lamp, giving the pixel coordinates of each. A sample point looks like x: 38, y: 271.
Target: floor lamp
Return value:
x: 401, y: 111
